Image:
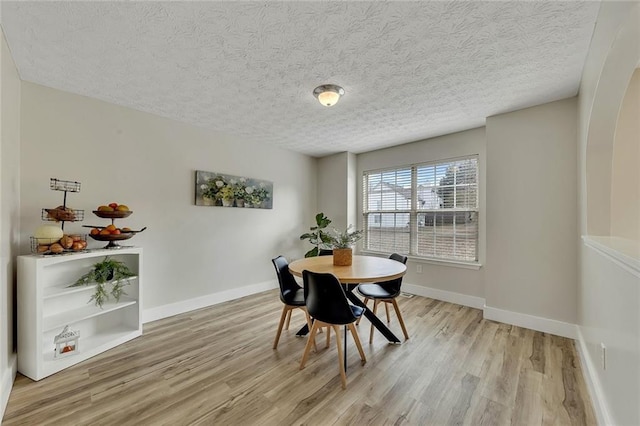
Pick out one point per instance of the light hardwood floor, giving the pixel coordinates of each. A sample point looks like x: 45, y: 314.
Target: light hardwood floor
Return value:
x: 216, y: 366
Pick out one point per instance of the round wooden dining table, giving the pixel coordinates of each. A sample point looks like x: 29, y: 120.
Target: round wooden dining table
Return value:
x: 364, y: 269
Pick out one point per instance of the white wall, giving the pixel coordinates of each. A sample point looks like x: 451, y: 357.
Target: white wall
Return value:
x: 437, y: 278
x: 333, y: 189
x: 625, y: 173
x: 532, y: 228
x: 528, y: 217
x: 9, y: 213
x: 337, y: 189
x: 608, y: 290
x: 194, y: 255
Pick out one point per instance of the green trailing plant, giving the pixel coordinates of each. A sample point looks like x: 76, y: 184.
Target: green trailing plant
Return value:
x: 345, y: 239
x: 318, y: 236
x: 107, y: 271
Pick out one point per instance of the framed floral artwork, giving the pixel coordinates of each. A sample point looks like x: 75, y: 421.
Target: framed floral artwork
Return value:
x: 217, y: 189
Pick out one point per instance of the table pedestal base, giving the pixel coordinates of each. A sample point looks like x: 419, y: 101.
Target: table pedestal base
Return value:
x: 368, y: 313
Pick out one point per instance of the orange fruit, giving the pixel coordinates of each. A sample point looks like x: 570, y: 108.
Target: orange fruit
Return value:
x: 115, y: 232
x: 105, y: 231
x: 111, y: 228
x: 95, y: 231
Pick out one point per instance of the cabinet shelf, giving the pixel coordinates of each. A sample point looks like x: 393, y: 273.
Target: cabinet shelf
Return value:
x: 54, y: 322
x: 51, y: 292
x: 89, y: 344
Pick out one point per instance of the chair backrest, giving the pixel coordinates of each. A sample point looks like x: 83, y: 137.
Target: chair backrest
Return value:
x: 288, y: 284
x: 325, y: 298
x: 393, y: 286
x: 325, y: 252
x: 398, y: 258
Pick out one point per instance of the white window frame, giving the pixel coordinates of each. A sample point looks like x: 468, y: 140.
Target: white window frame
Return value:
x: 414, y: 211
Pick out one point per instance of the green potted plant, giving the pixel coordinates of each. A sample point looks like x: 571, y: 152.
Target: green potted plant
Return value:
x: 318, y: 236
x: 342, y: 243
x: 109, y: 271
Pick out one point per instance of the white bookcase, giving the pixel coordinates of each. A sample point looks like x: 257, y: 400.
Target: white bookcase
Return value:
x: 46, y: 304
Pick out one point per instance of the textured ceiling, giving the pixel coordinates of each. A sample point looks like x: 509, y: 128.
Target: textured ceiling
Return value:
x: 411, y: 70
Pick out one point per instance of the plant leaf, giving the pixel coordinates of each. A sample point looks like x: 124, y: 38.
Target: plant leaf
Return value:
x: 312, y: 253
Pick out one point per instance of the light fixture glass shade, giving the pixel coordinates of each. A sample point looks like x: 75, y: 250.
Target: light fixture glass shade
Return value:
x: 328, y: 94
x: 328, y: 98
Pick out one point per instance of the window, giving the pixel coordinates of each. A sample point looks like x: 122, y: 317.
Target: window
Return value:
x: 427, y: 210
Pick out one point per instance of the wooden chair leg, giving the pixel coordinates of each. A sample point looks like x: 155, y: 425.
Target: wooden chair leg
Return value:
x: 285, y: 310
x: 386, y: 308
x: 343, y: 374
x: 309, y: 325
x: 307, y: 348
x: 356, y: 338
x: 366, y: 300
x: 286, y: 327
x: 328, y: 337
x: 399, y: 315
x: 375, y: 309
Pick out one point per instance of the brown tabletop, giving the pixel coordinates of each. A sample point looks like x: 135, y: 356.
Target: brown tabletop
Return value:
x: 363, y: 269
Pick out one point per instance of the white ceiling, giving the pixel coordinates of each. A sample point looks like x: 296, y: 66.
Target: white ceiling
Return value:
x: 411, y: 70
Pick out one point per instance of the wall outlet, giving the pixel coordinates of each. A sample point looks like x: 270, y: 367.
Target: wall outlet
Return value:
x: 603, y: 355
x: 419, y: 269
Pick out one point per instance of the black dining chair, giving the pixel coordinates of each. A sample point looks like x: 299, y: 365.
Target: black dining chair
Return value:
x: 325, y: 252
x: 385, y: 292
x: 291, y: 294
x: 329, y: 307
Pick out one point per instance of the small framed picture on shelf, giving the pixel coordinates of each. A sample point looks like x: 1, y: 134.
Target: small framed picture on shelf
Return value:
x: 66, y: 343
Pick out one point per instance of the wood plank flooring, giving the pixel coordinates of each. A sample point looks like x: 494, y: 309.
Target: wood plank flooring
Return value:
x: 215, y: 366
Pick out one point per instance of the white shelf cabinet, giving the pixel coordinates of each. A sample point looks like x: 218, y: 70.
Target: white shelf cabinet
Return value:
x: 46, y: 304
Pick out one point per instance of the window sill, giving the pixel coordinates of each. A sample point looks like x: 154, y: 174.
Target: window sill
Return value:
x: 451, y: 263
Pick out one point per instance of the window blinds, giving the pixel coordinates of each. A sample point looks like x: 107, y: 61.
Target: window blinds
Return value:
x: 427, y: 210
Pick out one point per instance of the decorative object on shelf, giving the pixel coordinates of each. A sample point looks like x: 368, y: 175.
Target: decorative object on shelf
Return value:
x: 63, y: 213
x: 108, y: 271
x: 215, y: 189
x: 66, y: 343
x: 51, y: 239
x: 111, y: 233
x: 342, y: 243
x: 64, y: 244
x: 318, y: 236
x: 48, y: 234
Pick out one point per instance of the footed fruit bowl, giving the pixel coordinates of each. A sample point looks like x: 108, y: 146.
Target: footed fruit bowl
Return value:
x: 112, y: 215
x: 112, y: 238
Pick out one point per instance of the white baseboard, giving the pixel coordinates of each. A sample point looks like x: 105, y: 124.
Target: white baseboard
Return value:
x: 593, y: 382
x: 7, y: 383
x: 445, y: 296
x: 172, y: 309
x: 545, y: 325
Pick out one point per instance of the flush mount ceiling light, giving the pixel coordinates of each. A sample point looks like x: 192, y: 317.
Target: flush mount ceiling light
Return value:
x: 328, y: 94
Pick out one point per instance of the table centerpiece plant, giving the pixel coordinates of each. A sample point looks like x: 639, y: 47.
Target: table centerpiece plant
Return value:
x: 342, y: 243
